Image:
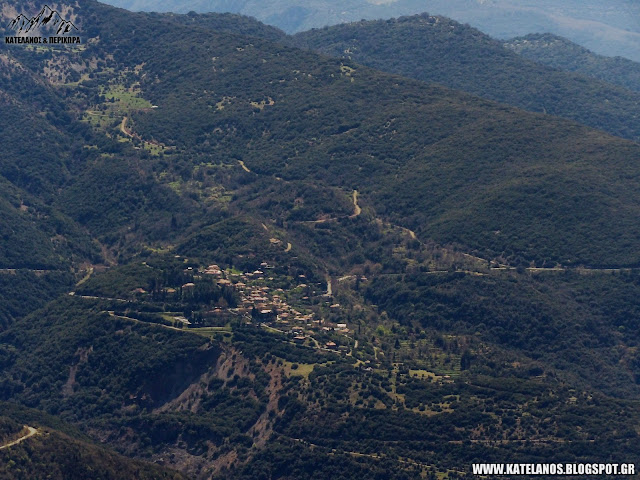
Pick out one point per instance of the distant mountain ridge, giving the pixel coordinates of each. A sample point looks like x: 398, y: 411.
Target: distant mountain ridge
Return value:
x: 46, y: 18
x: 607, y: 29
x: 563, y: 54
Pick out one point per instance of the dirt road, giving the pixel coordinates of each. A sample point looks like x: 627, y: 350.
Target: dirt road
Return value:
x: 31, y: 432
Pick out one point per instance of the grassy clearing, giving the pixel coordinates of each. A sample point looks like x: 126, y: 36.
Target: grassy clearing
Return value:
x: 302, y: 370
x: 101, y: 119
x: 160, y: 250
x: 127, y: 98
x: 223, y: 334
x: 119, y: 102
x: 170, y: 316
x: 154, y: 149
x: 83, y: 78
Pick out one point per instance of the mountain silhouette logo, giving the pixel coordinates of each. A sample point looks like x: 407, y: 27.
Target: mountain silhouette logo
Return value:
x: 47, y: 18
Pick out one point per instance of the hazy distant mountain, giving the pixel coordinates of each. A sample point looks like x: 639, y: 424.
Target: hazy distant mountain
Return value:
x: 560, y: 53
x: 608, y: 29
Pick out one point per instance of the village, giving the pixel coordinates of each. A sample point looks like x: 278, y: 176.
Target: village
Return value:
x: 306, y: 313
x: 298, y: 307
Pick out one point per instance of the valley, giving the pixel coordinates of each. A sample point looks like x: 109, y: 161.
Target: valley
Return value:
x: 226, y: 256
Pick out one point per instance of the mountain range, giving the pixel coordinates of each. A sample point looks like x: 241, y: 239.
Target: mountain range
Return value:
x: 225, y: 255
x: 609, y: 29
x: 560, y: 53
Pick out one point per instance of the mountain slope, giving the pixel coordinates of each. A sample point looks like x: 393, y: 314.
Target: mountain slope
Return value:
x: 32, y: 452
x: 60, y: 457
x: 560, y: 53
x: 440, y: 50
x: 231, y: 23
x: 195, y: 398
x: 524, y: 173
x: 41, y: 247
x: 37, y: 149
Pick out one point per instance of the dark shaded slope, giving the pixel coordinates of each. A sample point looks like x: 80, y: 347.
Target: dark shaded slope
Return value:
x: 40, y: 246
x: 140, y: 366
x: 119, y: 200
x: 35, y: 151
x: 54, y: 455
x: 436, y: 49
x: 50, y: 448
x: 560, y: 53
x: 38, y: 236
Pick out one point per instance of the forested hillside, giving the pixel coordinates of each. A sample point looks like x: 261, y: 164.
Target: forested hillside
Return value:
x: 233, y: 258
x: 560, y: 53
x: 439, y: 50
x: 347, y: 134
x: 230, y: 23
x: 47, y: 446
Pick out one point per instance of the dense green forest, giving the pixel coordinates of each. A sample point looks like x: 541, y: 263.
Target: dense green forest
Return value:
x: 560, y: 53
x: 439, y: 50
x: 372, y: 138
x: 227, y: 257
x: 9, y: 429
x: 230, y: 23
x: 58, y: 450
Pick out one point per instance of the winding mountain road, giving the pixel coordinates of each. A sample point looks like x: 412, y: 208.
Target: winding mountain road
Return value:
x: 123, y: 128
x: 356, y: 208
x: 30, y: 433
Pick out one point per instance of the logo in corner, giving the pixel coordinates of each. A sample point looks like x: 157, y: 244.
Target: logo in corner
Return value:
x: 47, y: 21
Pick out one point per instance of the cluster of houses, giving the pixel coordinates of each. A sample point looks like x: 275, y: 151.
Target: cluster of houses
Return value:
x: 262, y: 304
